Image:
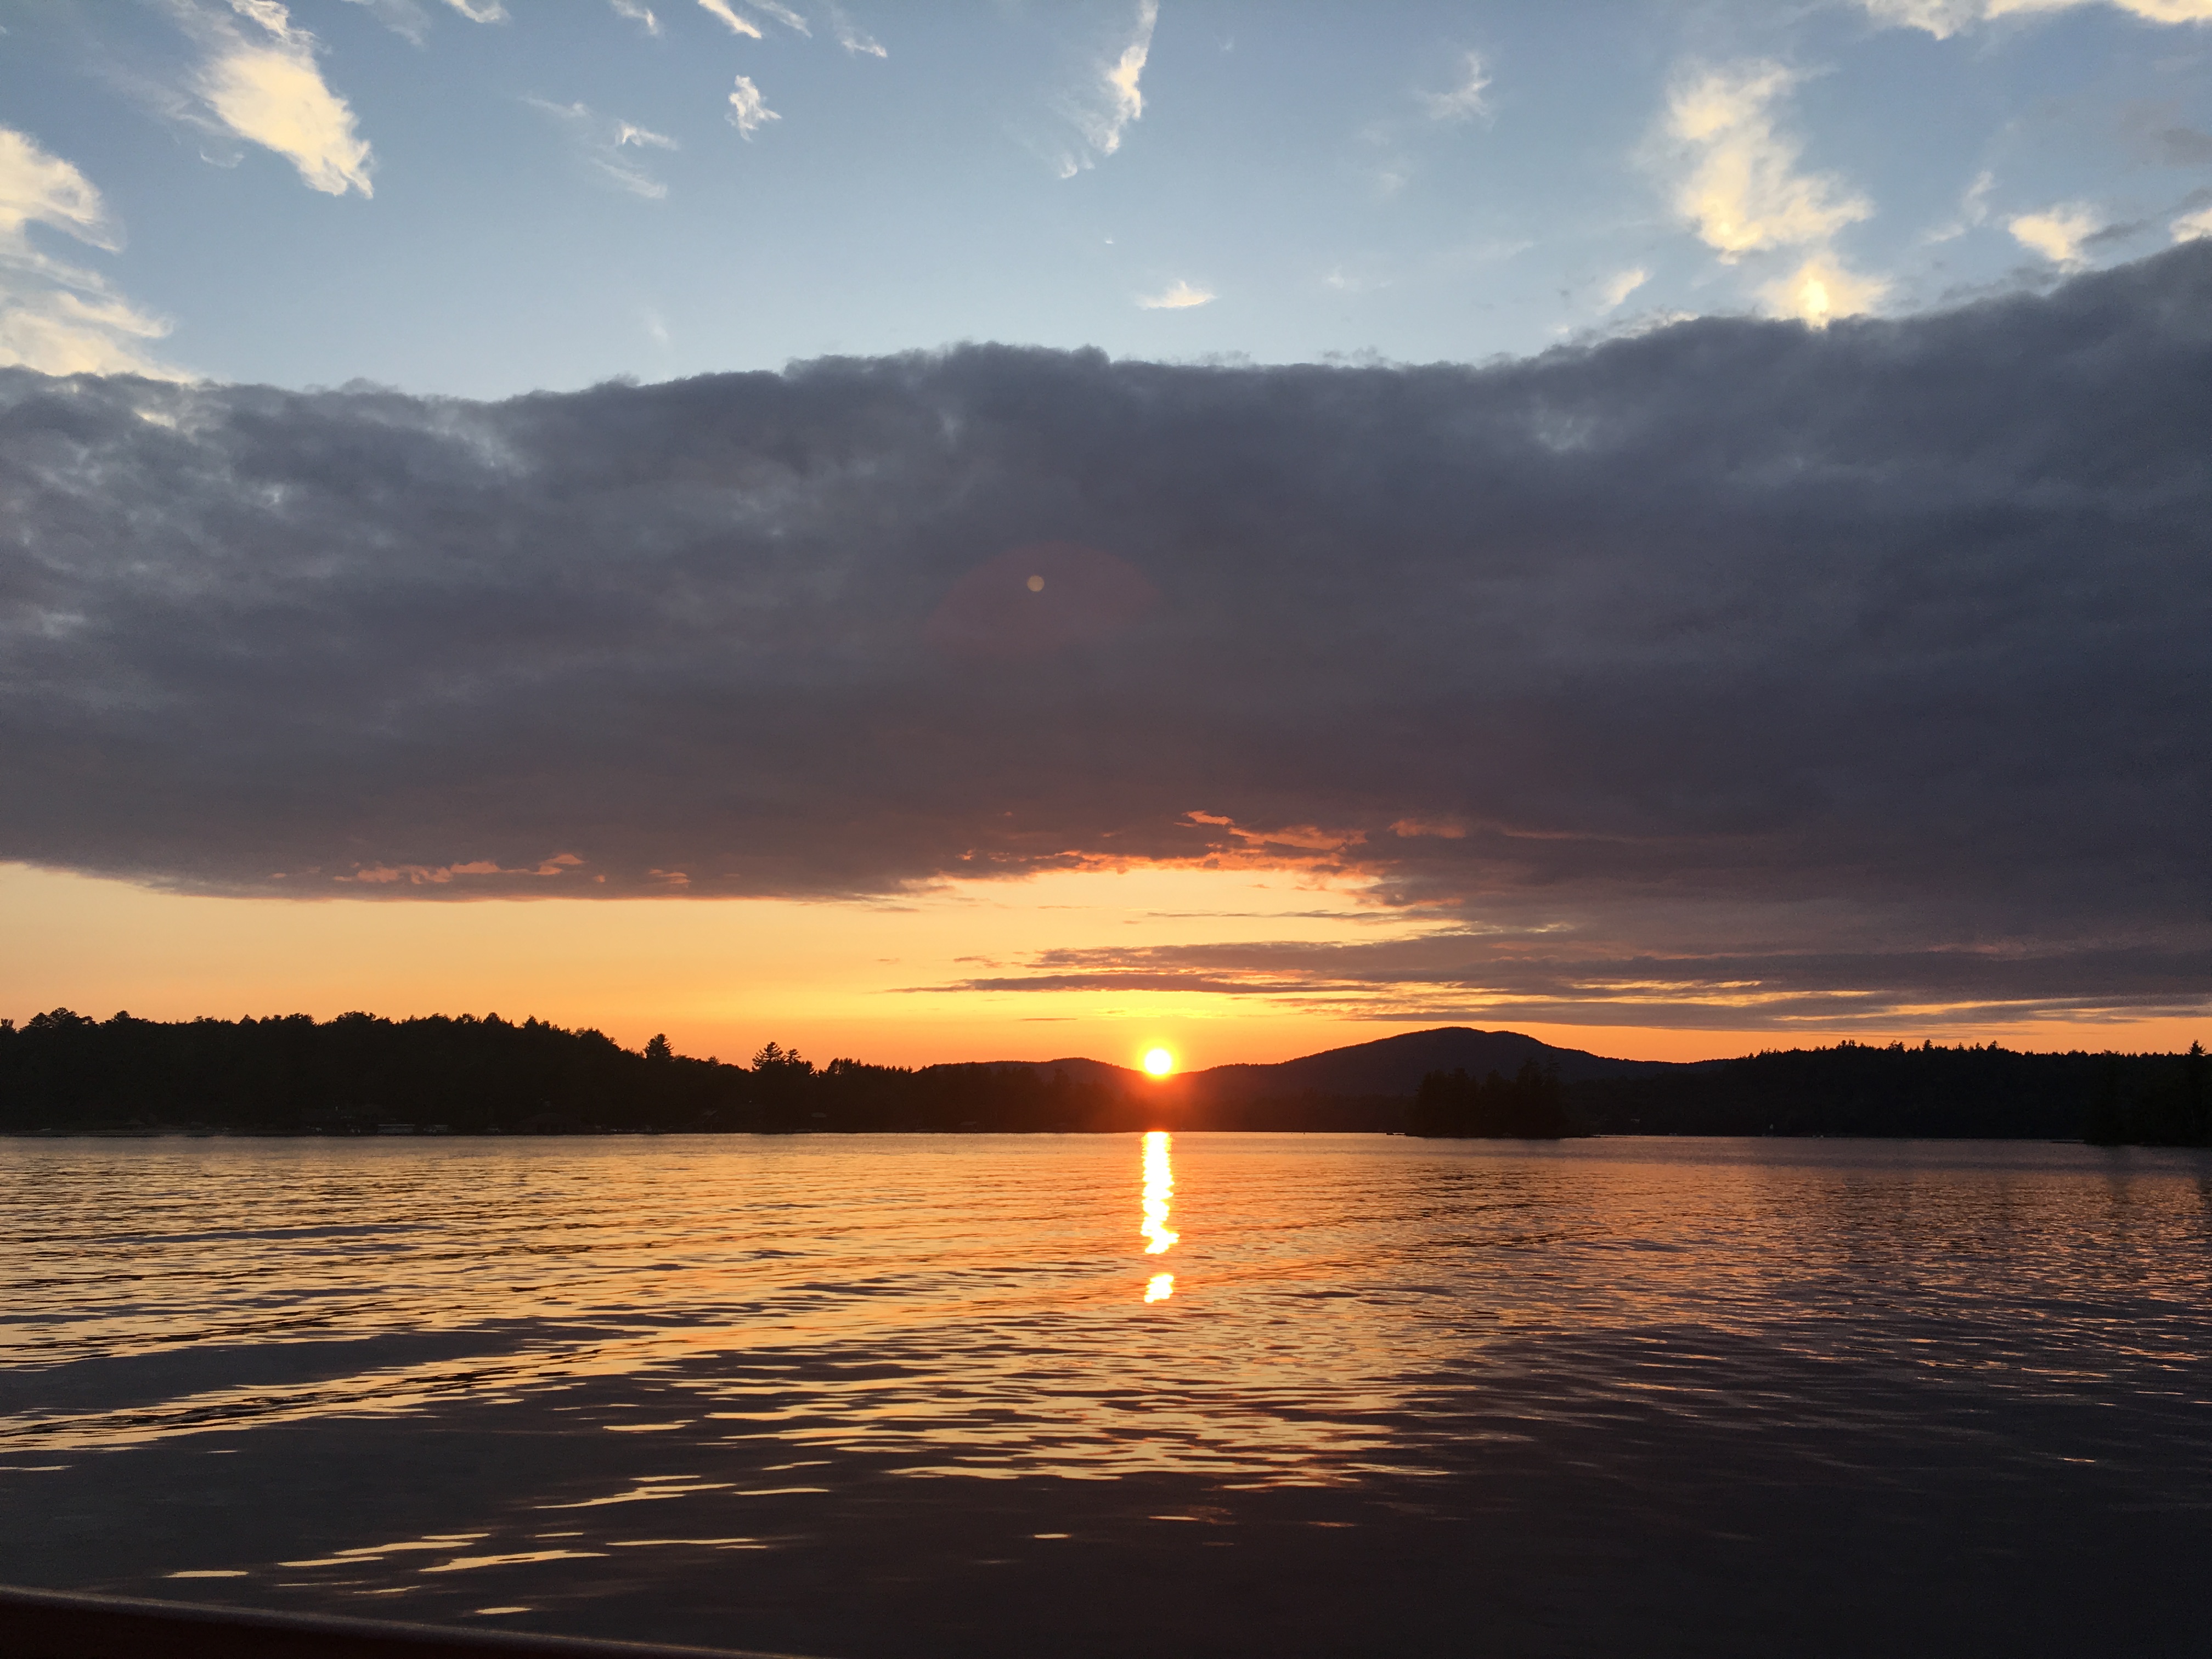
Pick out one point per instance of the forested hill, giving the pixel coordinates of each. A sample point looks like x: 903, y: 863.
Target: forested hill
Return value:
x: 64, y: 1073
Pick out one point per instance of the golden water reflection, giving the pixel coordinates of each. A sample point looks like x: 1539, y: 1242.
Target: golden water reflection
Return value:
x: 827, y: 1292
x: 1159, y: 1189
x: 669, y: 1360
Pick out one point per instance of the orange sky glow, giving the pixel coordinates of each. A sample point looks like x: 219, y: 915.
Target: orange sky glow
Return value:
x: 723, y: 976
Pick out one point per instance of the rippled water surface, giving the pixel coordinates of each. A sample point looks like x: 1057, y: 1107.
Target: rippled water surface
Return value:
x: 1230, y: 1395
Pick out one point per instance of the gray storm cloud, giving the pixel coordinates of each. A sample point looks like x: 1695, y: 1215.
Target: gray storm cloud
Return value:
x: 1737, y: 638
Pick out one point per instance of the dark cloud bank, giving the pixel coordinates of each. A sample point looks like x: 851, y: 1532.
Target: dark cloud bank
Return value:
x: 1849, y: 672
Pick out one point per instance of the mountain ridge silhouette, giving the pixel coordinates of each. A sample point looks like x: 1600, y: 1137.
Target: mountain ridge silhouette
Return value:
x: 1386, y: 1066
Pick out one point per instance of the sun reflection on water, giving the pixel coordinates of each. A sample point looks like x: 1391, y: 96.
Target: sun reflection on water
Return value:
x: 1159, y: 1188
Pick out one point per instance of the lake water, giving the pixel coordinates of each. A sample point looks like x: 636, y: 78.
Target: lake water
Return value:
x: 1236, y: 1395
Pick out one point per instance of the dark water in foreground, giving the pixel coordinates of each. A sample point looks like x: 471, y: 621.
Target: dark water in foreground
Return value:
x: 891, y: 1396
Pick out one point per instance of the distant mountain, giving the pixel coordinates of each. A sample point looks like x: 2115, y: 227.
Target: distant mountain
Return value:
x: 1078, y: 1070
x: 1396, y: 1064
x: 1388, y: 1066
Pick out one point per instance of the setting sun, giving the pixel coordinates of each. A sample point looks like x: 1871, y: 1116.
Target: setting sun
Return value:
x: 1158, y: 1061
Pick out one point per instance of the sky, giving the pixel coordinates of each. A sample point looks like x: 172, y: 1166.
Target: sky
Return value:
x: 1018, y: 530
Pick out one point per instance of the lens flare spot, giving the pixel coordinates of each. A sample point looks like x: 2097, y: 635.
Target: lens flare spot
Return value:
x: 1159, y: 1287
x: 1036, y: 584
x: 1158, y: 1061
x: 1159, y: 1188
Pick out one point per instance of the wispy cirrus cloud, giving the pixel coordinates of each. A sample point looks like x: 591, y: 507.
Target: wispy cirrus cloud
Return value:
x: 612, y: 147
x: 738, y: 21
x: 1178, y: 296
x: 1341, y: 281
x: 855, y: 39
x: 1738, y: 182
x: 749, y: 111
x: 36, y: 187
x: 1973, y: 209
x: 408, y: 19
x: 1945, y: 18
x: 57, y: 317
x: 638, y: 12
x: 1466, y: 101
x: 262, y: 83
x: 1102, y: 112
x: 404, y: 18
x: 783, y: 15
x: 1394, y: 140
x: 1125, y: 101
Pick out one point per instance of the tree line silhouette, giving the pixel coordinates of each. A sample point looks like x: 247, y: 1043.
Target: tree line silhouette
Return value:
x: 1530, y: 1105
x: 362, y: 1074
x: 65, y: 1072
x: 1967, y: 1092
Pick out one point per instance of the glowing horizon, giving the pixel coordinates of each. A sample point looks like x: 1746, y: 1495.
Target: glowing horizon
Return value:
x: 721, y: 977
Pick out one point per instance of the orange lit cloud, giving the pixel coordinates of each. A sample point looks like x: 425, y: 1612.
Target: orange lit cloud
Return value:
x: 264, y: 84
x: 381, y: 875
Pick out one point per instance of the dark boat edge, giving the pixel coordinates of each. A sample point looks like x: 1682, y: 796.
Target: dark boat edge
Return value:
x: 39, y: 1623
